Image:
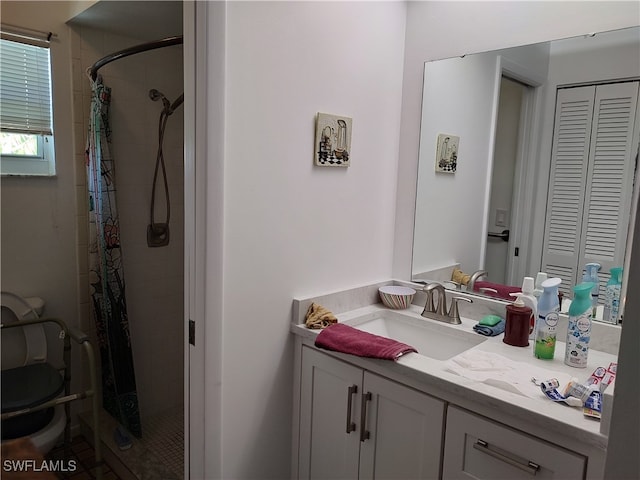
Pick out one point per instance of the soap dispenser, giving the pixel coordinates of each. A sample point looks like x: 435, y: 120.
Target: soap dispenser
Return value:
x: 530, y: 301
x: 516, y: 330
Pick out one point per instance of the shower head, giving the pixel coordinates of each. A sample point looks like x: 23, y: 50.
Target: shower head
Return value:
x: 155, y: 95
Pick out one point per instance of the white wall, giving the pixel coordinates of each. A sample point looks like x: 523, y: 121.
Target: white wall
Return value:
x: 38, y: 219
x: 292, y: 229
x: 448, y: 205
x: 38, y: 214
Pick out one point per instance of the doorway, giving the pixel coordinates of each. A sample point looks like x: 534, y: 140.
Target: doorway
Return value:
x: 503, y: 183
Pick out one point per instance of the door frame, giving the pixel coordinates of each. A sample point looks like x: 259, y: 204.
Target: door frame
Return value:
x: 525, y: 167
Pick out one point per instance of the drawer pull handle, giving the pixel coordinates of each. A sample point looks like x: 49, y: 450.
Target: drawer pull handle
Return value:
x: 364, y: 433
x: 529, y: 467
x: 351, y: 426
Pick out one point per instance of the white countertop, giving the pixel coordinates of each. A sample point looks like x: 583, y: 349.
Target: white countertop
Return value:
x: 556, y: 418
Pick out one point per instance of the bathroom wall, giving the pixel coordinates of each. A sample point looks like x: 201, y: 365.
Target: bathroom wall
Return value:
x: 38, y: 214
x: 38, y: 218
x: 154, y: 276
x: 290, y: 228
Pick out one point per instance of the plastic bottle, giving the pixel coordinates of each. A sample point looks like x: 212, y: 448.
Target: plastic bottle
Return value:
x: 516, y: 331
x: 591, y: 275
x: 537, y: 291
x: 579, y: 329
x: 548, y: 308
x: 530, y: 301
x: 612, y: 296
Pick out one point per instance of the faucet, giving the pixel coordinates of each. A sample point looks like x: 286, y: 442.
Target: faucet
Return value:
x: 474, y: 277
x: 438, y: 311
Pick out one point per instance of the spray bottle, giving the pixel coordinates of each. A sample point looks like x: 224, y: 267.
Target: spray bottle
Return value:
x: 579, y: 329
x: 612, y: 296
x: 591, y: 275
x: 548, y: 309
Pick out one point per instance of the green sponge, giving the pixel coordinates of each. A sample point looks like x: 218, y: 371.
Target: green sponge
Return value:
x: 490, y: 320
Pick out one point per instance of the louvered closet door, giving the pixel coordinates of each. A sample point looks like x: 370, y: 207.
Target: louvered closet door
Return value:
x: 612, y: 154
x: 593, y: 161
x: 569, y: 162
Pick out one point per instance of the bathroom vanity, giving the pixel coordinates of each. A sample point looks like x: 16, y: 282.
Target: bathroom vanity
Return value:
x: 358, y: 417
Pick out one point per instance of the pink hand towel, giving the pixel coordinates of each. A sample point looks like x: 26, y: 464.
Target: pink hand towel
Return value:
x: 345, y: 339
x: 501, y: 291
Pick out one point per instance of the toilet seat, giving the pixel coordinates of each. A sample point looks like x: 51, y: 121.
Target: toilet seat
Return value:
x: 27, y: 387
x: 27, y: 345
x: 26, y: 375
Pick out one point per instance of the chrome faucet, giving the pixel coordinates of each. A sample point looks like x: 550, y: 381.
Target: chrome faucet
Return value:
x: 474, y: 277
x: 438, y: 311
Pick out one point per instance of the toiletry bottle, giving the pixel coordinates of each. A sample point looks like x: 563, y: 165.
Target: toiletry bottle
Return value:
x: 537, y: 291
x: 530, y: 301
x: 612, y: 296
x: 591, y: 275
x: 516, y: 330
x: 579, y: 329
x: 548, y: 308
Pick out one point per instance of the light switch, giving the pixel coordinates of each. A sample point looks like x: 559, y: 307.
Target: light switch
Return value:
x: 501, y: 217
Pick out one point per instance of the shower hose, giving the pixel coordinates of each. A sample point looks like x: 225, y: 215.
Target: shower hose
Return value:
x: 161, y: 229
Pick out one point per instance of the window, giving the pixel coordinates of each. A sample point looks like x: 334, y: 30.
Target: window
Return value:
x: 26, y: 127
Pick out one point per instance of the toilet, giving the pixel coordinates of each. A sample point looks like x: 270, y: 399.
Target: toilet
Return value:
x: 27, y: 378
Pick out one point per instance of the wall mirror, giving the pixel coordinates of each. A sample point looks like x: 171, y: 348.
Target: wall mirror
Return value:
x: 541, y: 177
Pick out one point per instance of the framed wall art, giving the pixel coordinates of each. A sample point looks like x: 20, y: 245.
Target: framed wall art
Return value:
x: 333, y: 140
x: 447, y: 153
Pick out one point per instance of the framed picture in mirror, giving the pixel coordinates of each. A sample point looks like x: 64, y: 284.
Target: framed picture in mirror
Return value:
x: 447, y: 153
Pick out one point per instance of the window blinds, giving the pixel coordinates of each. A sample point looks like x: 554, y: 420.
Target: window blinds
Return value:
x: 25, y: 88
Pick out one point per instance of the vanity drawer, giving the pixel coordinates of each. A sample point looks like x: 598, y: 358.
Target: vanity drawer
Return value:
x: 478, y: 448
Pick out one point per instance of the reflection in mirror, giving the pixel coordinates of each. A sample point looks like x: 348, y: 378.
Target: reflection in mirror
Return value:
x: 548, y: 143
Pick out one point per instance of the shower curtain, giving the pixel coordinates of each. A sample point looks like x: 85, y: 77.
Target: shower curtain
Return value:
x: 106, y: 275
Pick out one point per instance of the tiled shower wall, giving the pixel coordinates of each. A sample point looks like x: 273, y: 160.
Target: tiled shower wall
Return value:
x: 153, y: 276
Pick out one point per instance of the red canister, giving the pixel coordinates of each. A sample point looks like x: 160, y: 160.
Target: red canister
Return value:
x: 516, y: 330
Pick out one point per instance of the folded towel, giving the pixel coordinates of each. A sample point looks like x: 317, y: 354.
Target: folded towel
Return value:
x: 319, y: 317
x: 345, y: 339
x: 501, y: 291
x: 489, y: 331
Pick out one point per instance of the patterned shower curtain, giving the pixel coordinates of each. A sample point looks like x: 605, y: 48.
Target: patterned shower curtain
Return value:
x: 106, y: 275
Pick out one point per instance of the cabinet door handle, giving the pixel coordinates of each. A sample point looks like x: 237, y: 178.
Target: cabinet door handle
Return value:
x: 529, y: 467
x: 364, y: 433
x: 351, y: 426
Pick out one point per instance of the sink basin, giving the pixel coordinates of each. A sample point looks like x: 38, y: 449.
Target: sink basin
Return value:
x: 433, y: 340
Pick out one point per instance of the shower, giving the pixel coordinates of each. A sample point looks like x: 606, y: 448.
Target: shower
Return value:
x: 158, y: 233
x: 155, y: 276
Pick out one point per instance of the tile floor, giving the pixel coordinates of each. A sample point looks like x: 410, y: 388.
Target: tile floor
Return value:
x: 158, y: 455
x: 83, y: 455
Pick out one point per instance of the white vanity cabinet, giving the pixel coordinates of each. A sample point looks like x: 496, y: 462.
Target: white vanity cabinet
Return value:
x: 358, y: 425
x: 477, y: 448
